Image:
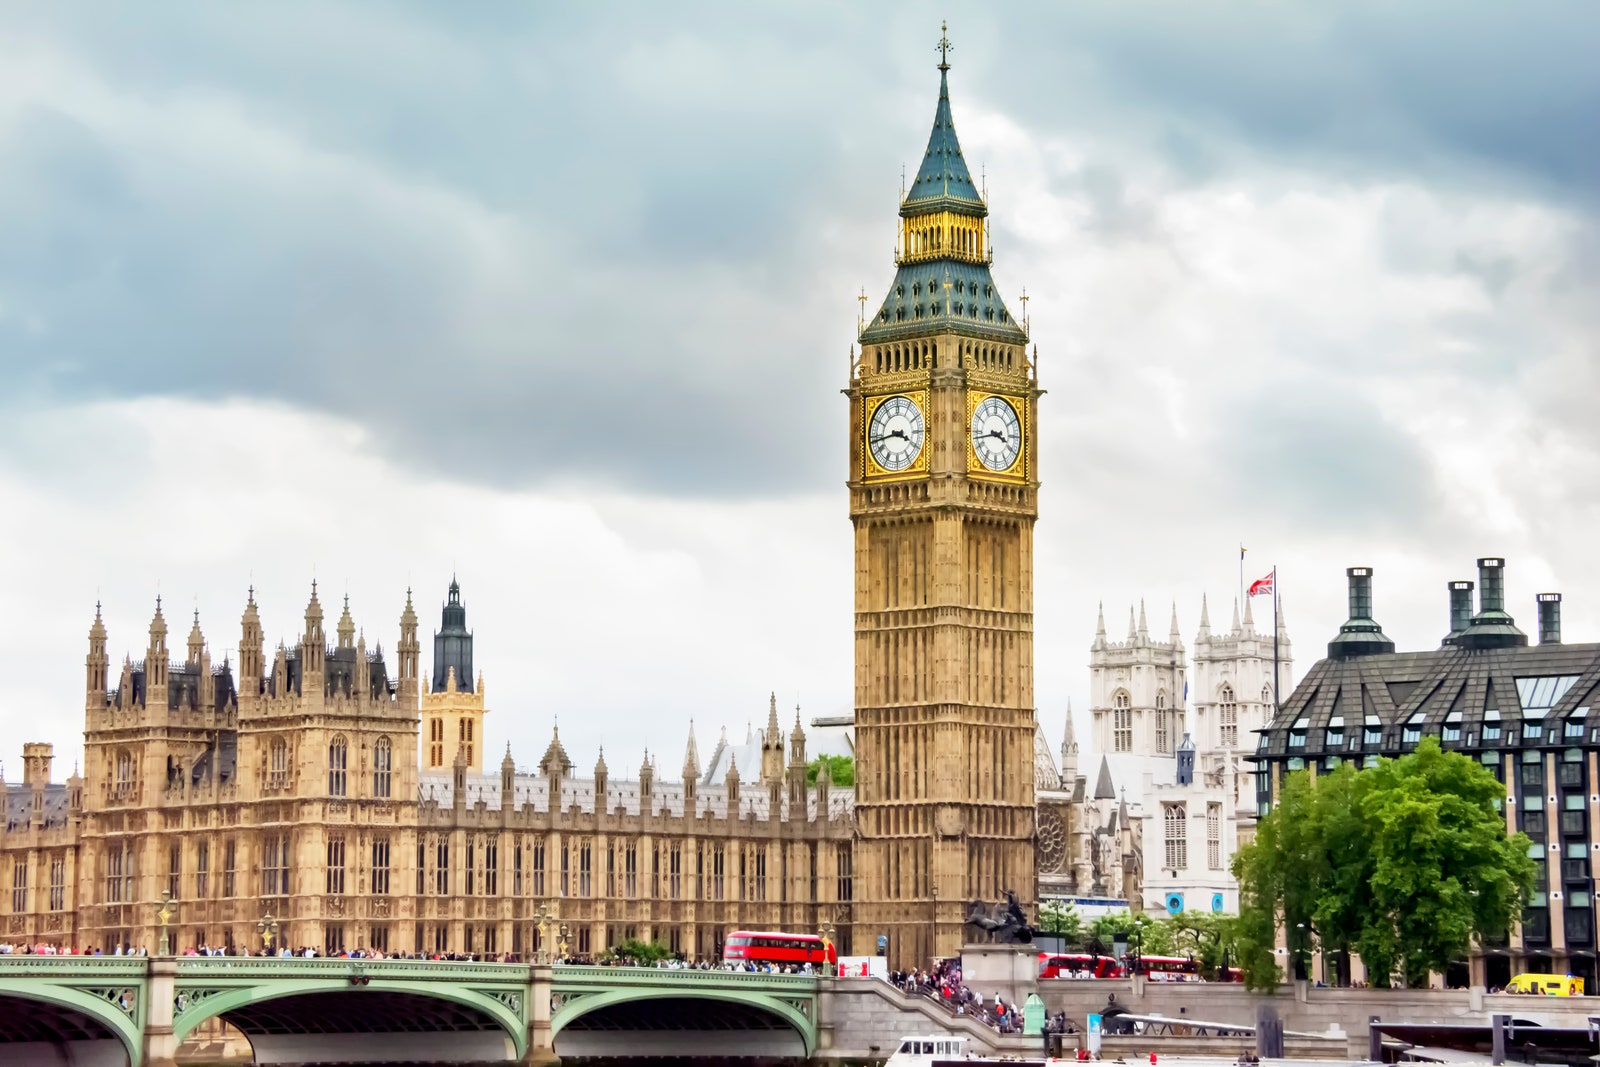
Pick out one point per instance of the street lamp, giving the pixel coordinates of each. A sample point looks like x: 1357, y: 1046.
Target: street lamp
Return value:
x: 561, y: 945
x: 543, y: 915
x: 829, y: 934
x: 164, y: 916
x: 267, y: 930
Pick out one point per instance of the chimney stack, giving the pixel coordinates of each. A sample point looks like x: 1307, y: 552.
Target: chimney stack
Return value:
x: 1360, y: 636
x: 1549, y: 618
x: 1460, y: 610
x: 1492, y: 627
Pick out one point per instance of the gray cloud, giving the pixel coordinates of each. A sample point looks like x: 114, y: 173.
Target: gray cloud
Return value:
x: 616, y: 244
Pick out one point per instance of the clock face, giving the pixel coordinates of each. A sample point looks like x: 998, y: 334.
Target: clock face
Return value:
x: 996, y: 433
x: 895, y: 433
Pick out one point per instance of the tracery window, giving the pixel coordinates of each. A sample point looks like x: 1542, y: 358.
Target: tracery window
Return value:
x: 1163, y: 725
x: 380, y: 865
x: 58, y: 882
x: 382, y: 768
x: 1214, y: 836
x: 334, y: 881
x: 1227, y: 718
x: 1121, y: 722
x: 1176, y: 824
x: 338, y: 757
x: 278, y: 763
x: 436, y: 742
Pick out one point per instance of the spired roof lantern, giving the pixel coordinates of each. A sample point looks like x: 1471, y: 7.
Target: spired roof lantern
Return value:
x: 943, y: 281
x: 452, y: 645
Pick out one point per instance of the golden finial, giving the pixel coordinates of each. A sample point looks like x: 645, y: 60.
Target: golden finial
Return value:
x: 944, y: 46
x: 861, y: 317
x: 1024, y: 301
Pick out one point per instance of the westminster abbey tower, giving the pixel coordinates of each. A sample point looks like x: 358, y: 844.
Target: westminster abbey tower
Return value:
x: 943, y: 498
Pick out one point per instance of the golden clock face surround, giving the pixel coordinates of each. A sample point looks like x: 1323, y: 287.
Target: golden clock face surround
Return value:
x: 870, y: 467
x: 1018, y: 471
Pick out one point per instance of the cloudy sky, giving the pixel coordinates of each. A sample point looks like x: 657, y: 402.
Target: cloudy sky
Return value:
x: 560, y: 298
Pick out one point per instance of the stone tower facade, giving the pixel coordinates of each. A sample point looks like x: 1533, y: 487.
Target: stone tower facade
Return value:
x: 1137, y: 689
x: 943, y: 498
x: 453, y: 705
x: 1233, y: 700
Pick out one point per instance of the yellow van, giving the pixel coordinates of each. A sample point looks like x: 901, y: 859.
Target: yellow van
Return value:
x: 1550, y: 985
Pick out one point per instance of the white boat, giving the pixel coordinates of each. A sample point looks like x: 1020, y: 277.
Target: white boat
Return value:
x: 921, y: 1051
x: 931, y: 1050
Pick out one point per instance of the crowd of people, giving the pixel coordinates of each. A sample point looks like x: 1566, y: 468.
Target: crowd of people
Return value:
x: 944, y: 986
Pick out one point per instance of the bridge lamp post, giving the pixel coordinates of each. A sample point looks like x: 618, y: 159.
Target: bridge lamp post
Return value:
x: 164, y: 916
x: 561, y: 943
x: 828, y: 932
x: 267, y: 930
x: 542, y: 915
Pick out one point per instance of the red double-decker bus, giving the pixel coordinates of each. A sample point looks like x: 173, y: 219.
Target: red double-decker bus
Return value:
x: 1077, y: 965
x: 1168, y: 968
x: 771, y: 946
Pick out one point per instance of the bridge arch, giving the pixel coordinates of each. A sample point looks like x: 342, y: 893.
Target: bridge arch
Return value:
x: 700, y: 1016
x: 94, y: 1021
x: 282, y: 1018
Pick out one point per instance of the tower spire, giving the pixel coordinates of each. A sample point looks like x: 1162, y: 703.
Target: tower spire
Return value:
x: 944, y: 46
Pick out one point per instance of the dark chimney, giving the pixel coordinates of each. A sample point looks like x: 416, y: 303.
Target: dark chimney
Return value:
x: 1360, y: 636
x: 1549, y: 618
x: 1491, y: 627
x: 1460, y: 610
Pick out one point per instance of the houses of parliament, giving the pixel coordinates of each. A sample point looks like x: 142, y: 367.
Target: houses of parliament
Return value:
x: 331, y: 795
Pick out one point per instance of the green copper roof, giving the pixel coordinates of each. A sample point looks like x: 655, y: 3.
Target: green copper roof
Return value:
x: 944, y: 173
x: 919, y: 303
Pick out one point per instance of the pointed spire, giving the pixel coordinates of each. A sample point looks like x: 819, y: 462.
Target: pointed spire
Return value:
x: 97, y: 629
x: 1249, y: 616
x: 1069, y: 737
x: 944, y: 173
x: 1100, y: 629
x: 1283, y: 624
x: 691, y: 756
x: 508, y: 762
x: 197, y: 641
x: 797, y: 734
x: 158, y: 623
x: 1144, y: 629
x: 1173, y: 634
x: 347, y: 626
x: 600, y: 768
x: 555, y: 759
x: 1133, y: 627
x: 773, y: 738
x: 1205, y: 619
x: 1235, y: 615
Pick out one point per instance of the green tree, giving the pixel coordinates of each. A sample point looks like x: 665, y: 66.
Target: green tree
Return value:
x: 1404, y: 863
x: 1060, y: 919
x: 647, y: 953
x: 1205, y: 938
x: 841, y: 770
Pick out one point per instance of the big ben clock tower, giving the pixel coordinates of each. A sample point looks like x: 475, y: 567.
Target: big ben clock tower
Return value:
x: 943, y: 497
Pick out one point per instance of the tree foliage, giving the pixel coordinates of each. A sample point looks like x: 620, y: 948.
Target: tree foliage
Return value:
x: 1060, y: 919
x: 643, y: 952
x: 841, y: 770
x: 1404, y: 863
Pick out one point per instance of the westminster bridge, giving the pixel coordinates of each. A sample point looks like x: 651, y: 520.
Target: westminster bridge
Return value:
x: 130, y: 1011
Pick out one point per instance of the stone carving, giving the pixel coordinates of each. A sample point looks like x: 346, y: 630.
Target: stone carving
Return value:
x: 1052, y: 841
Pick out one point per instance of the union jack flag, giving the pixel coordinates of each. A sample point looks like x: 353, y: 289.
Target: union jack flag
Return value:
x: 1263, y: 586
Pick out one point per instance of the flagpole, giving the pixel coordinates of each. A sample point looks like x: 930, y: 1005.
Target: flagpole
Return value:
x: 1241, y: 573
x: 1277, y: 705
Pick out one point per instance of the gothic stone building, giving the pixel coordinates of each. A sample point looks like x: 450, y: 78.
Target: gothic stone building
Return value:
x: 1522, y: 710
x: 296, y: 795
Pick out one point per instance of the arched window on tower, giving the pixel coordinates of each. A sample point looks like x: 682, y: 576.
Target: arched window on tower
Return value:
x: 123, y: 783
x: 1175, y: 824
x: 466, y: 739
x: 277, y: 763
x: 1266, y: 697
x: 436, y: 742
x: 338, y: 761
x: 1227, y: 717
x: 1121, y: 722
x: 382, y: 769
